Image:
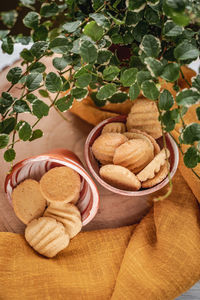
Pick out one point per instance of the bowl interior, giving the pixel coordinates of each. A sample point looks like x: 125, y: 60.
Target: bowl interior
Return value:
x: 36, y: 167
x: 94, y: 165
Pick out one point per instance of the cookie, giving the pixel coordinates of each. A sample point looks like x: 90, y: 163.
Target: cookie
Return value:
x: 115, y: 127
x: 155, y: 144
x: 133, y: 135
x: 154, y: 166
x: 67, y: 214
x: 120, y: 177
x: 60, y: 184
x: 134, y: 155
x: 157, y: 178
x: 144, y: 116
x: 46, y: 236
x: 105, y: 145
x: 28, y: 202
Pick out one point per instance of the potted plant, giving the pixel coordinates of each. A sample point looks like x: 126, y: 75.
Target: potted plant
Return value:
x: 116, y: 48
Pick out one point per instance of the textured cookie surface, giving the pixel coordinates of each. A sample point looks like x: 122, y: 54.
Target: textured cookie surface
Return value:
x: 67, y: 214
x: 46, y: 236
x: 133, y: 135
x: 157, y: 178
x: 155, y: 144
x: 154, y: 166
x: 134, y: 155
x: 105, y: 145
x: 120, y: 177
x: 60, y: 184
x: 115, y: 127
x: 28, y: 202
x: 144, y: 116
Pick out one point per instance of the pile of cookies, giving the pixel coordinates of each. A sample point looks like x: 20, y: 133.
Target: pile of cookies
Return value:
x: 48, y: 209
x: 128, y: 154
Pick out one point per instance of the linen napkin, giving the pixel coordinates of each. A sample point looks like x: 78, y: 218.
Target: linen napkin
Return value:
x: 158, y: 259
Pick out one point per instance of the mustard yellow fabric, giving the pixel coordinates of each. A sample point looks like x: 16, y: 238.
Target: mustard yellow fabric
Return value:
x: 158, y: 259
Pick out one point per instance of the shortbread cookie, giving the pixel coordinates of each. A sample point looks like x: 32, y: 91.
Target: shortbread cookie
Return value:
x: 46, y: 236
x: 133, y: 135
x: 60, y: 184
x: 115, y: 127
x: 154, y: 166
x: 105, y: 145
x: 158, y: 177
x: 144, y: 116
x: 28, y: 202
x: 67, y: 214
x: 134, y: 155
x: 120, y: 177
x: 155, y: 144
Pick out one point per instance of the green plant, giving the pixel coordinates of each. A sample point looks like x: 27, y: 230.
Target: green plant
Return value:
x: 160, y: 35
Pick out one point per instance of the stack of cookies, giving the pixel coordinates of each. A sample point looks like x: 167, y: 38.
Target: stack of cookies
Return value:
x: 129, y: 155
x: 48, y: 209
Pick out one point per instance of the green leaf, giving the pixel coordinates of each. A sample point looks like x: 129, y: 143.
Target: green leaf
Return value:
x: 88, y: 52
x: 6, y: 100
x: 150, y: 90
x: 118, y: 97
x: 31, y: 20
x: 8, y: 125
x: 4, y: 139
x: 79, y: 93
x: 97, y: 4
x: 191, y: 133
x: 136, y: 5
x: 36, y: 134
x: 191, y: 157
x: 71, y: 26
x: 117, y: 38
x: 150, y: 45
x: 9, y: 155
x: 84, y: 80
x: 61, y: 62
x: 132, y: 18
x: 37, y: 67
x: 171, y: 72
x: 196, y: 82
x: 140, y: 30
x: 171, y: 29
x: 128, y: 77
x: 14, y: 75
x: 166, y: 100
x: 49, y: 10
x: 65, y: 84
x: 40, y: 109
x: 98, y: 103
x: 31, y: 97
x: 39, y: 48
x: 20, y: 106
x: 186, y: 51
x: 33, y: 81
x: 168, y: 121
x: 9, y: 18
x: 24, y: 40
x: 25, y: 131
x: 7, y: 45
x: 187, y: 97
x: 60, y: 45
x: 93, y: 30
x: 27, y: 55
x: 151, y: 16
x: 154, y: 66
x: 110, y: 73
x: 3, y: 33
x: 198, y: 113
x: 53, y: 83
x: 44, y: 93
x: 104, y: 57
x: 106, y: 91
x: 65, y: 103
x: 134, y: 91
x: 142, y: 76
x: 27, y: 3
x: 40, y: 34
x: 100, y: 19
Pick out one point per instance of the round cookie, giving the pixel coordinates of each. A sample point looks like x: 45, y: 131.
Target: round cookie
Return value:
x: 120, y: 177
x: 158, y: 177
x: 105, y: 145
x: 60, y: 184
x: 46, y: 236
x: 115, y: 127
x: 28, y: 202
x: 67, y: 214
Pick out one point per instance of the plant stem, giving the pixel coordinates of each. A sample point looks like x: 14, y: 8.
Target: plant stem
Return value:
x: 58, y: 111
x: 185, y: 78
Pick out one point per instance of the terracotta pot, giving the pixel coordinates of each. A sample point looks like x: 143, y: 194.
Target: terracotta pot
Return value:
x: 35, y: 167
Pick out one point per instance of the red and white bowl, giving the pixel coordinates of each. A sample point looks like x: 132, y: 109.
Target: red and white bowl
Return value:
x: 36, y: 166
x: 94, y: 166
